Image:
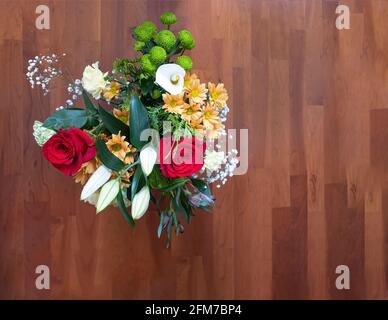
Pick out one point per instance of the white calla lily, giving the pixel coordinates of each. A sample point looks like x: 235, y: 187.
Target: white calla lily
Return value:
x: 140, y: 203
x: 148, y: 156
x: 107, y: 194
x: 96, y: 180
x: 171, y: 78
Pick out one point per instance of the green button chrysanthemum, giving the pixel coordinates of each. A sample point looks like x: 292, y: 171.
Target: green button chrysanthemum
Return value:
x: 146, y: 64
x: 144, y: 32
x: 138, y: 46
x: 185, y: 62
x: 166, y: 39
x: 158, y: 55
x: 168, y: 18
x: 186, y: 39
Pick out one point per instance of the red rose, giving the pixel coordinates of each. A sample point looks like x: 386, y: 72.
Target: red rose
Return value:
x: 68, y: 150
x: 180, y: 158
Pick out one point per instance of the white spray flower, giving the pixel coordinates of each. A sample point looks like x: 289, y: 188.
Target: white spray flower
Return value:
x: 213, y: 160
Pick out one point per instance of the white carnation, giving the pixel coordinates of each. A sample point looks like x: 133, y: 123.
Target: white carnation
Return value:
x: 93, y: 80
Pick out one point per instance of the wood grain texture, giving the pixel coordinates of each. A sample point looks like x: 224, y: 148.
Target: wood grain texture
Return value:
x: 315, y: 101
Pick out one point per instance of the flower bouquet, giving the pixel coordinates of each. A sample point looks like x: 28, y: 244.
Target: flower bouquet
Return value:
x: 144, y: 132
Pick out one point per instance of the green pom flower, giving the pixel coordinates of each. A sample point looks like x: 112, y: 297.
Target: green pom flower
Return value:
x: 186, y: 39
x: 185, y: 62
x: 139, y: 45
x: 144, y: 32
x: 146, y: 64
x: 168, y: 18
x: 158, y: 55
x: 166, y: 39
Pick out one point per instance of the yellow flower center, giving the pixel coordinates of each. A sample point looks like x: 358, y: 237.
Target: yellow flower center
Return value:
x: 208, y: 114
x: 173, y: 103
x: 174, y: 78
x: 194, y: 93
x: 214, y: 95
x: 116, y: 147
x: 189, y: 111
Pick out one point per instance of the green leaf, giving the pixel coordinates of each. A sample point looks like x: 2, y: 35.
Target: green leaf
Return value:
x: 138, y: 181
x: 156, y: 179
x: 175, y: 49
x: 66, y: 118
x: 113, y: 124
x: 202, y: 186
x: 178, y: 206
x: 138, y: 121
x: 107, y: 157
x: 123, y: 209
x: 176, y: 184
x: 160, y: 227
x: 88, y: 103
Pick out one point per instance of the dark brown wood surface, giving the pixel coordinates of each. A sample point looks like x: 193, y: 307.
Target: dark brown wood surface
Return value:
x: 315, y: 101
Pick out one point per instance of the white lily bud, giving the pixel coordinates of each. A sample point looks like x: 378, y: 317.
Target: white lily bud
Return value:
x: 97, y: 179
x: 107, y: 194
x: 140, y: 203
x: 148, y: 156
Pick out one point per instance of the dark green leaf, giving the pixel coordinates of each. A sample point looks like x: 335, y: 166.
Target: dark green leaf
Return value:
x: 138, y: 181
x: 66, y: 118
x: 202, y: 186
x: 88, y: 103
x: 176, y: 184
x: 123, y: 209
x: 160, y: 227
x: 107, y: 157
x: 138, y: 121
x: 178, y: 206
x: 113, y: 124
x: 156, y: 179
x: 174, y: 49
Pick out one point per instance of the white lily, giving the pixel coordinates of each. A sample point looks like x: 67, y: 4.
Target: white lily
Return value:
x: 140, y: 203
x: 97, y: 179
x: 148, y: 156
x: 107, y: 194
x: 171, y: 78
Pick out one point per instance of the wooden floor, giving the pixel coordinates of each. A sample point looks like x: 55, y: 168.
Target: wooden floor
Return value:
x: 315, y: 101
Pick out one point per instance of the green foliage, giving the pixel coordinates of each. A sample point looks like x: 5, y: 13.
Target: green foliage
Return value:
x: 158, y: 55
x: 179, y: 207
x: 168, y: 18
x: 113, y: 124
x: 108, y: 158
x: 123, y: 209
x: 186, y: 39
x: 156, y: 180
x: 179, y: 127
x: 70, y: 118
x: 185, y: 62
x: 174, y: 184
x: 126, y: 68
x: 138, y: 181
x: 166, y: 39
x: 138, y: 121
